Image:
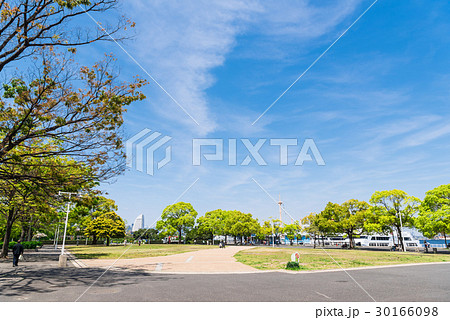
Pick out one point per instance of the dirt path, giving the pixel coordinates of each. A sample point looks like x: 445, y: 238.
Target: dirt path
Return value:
x: 203, y: 261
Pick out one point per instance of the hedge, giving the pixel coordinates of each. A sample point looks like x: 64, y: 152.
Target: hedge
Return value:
x: 25, y: 244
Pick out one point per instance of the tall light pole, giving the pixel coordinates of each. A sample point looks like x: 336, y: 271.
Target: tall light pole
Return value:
x: 279, y: 204
x: 62, y: 256
x: 273, y: 236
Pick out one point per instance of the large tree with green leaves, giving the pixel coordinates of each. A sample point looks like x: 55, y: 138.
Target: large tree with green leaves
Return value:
x: 179, y: 217
x: 348, y: 218
x: 391, y: 210
x: 89, y: 207
x: 213, y: 223
x: 311, y: 226
x: 25, y: 198
x: 108, y: 225
x: 239, y: 224
x: 434, y: 215
x: 292, y: 230
x: 272, y: 228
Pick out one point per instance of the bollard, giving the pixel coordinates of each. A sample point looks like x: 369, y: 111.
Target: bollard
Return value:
x: 62, y: 261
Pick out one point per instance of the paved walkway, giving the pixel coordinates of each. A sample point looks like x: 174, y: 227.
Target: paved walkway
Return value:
x: 202, y: 261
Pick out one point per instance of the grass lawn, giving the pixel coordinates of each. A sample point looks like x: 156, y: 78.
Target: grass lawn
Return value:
x: 145, y: 250
x: 318, y: 259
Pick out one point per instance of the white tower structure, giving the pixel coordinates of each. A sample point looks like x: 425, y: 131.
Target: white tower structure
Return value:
x: 138, y: 223
x: 279, y: 204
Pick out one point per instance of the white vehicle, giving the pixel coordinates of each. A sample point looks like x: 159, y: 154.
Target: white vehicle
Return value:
x: 382, y: 240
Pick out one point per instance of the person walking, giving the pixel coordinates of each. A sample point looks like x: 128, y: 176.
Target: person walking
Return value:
x: 17, y: 252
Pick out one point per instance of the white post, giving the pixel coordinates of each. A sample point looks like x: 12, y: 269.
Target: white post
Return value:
x: 65, y: 227
x: 273, y: 237
x: 62, y: 256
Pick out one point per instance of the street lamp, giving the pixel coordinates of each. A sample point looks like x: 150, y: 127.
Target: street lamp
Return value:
x: 62, y: 256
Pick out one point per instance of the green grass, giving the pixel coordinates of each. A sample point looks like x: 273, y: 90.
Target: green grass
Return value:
x: 318, y: 259
x: 145, y: 250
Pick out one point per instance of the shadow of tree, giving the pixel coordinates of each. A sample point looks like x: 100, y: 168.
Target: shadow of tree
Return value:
x: 31, y: 280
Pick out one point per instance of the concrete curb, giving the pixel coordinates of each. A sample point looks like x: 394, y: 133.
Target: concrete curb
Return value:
x: 76, y: 263
x: 302, y: 272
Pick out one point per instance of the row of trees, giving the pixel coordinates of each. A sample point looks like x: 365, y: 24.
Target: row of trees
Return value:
x: 387, y: 212
x: 181, y: 219
x: 60, y: 123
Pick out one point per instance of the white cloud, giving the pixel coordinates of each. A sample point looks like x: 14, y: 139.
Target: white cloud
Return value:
x: 181, y: 42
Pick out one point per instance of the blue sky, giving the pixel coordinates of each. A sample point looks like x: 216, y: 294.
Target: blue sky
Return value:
x: 376, y: 104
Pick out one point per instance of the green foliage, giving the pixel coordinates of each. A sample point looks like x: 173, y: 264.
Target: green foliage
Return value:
x: 178, y: 217
x: 292, y: 265
x: 108, y: 225
x: 147, y: 234
x: 434, y: 215
x: 25, y: 244
x: 292, y: 231
x: 347, y: 218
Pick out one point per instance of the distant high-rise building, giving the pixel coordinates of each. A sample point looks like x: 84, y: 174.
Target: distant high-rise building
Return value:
x: 138, y: 223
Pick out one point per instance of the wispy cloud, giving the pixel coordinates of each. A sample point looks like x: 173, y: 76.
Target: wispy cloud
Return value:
x: 181, y: 43
x: 433, y: 132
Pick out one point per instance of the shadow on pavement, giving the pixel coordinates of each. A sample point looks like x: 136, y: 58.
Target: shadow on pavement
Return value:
x: 25, y: 280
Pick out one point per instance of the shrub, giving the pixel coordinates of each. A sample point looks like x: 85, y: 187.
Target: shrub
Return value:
x: 25, y: 244
x: 292, y: 265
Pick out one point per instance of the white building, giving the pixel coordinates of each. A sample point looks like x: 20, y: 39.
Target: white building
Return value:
x: 138, y: 223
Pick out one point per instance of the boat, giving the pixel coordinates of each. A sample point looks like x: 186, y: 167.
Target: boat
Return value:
x: 382, y: 240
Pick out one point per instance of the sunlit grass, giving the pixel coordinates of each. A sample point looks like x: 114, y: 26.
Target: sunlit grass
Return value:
x: 318, y: 259
x: 145, y: 250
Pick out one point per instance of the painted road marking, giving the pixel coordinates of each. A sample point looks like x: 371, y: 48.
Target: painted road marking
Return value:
x: 189, y: 259
x: 323, y: 295
x: 159, y: 266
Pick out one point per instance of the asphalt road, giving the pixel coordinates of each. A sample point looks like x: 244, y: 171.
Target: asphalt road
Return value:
x: 408, y: 283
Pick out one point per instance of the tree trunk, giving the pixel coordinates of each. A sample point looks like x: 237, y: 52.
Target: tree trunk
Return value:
x: 179, y: 236
x: 22, y: 234
x: 445, y: 239
x: 94, y: 239
x: 29, y: 229
x: 400, y: 236
x: 107, y: 242
x: 9, y: 224
x: 350, y: 239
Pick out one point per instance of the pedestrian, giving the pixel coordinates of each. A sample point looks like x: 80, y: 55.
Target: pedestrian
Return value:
x: 139, y: 242
x: 17, y: 252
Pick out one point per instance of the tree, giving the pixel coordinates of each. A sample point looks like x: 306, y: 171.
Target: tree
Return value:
x: 108, y: 225
x: 19, y: 199
x: 392, y: 210
x: 434, y: 215
x: 272, y: 227
x: 26, y: 26
x: 347, y: 218
x: 88, y: 208
x: 148, y: 234
x: 292, y: 230
x: 213, y: 223
x: 179, y: 217
x: 310, y: 226
x: 80, y: 121
x: 241, y: 224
